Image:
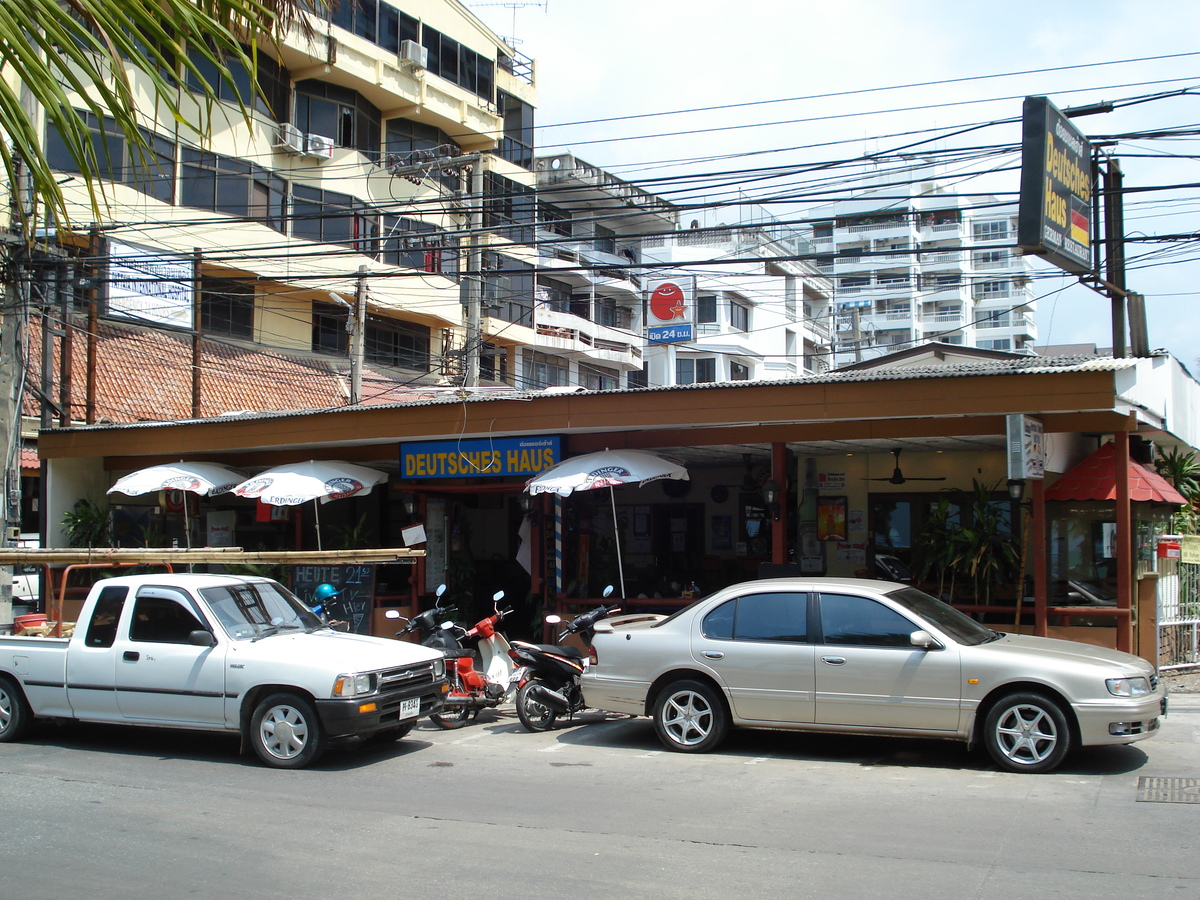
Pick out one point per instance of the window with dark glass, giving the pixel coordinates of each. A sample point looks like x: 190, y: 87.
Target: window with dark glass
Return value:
x: 605, y: 240
x: 392, y: 342
x: 780, y: 617
x: 233, y: 186
x: 415, y: 244
x: 458, y: 64
x: 554, y: 294
x: 410, y: 143
x: 269, y: 97
x: 150, y: 171
x: 329, y: 334
x: 509, y: 288
x: 161, y: 620
x: 861, y: 621
x: 738, y: 372
x: 102, y: 629
x: 555, y: 220
x: 509, y: 207
x: 637, y: 378
x: 739, y: 317
x: 598, y: 378
x: 340, y: 114
x: 493, y: 363
x: 543, y: 370
x: 706, y: 308
x: 227, y: 307
x: 516, y: 146
x: 333, y: 218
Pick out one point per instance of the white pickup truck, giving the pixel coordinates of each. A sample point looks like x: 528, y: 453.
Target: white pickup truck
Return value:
x: 218, y: 653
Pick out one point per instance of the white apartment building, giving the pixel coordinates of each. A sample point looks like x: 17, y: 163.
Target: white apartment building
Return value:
x: 912, y: 262
x: 588, y: 320
x: 761, y: 311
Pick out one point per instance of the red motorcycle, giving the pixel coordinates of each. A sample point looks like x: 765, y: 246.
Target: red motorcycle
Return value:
x: 471, y: 688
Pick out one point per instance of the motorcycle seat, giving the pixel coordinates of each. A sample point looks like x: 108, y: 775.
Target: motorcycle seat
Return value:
x: 458, y: 654
x: 560, y: 650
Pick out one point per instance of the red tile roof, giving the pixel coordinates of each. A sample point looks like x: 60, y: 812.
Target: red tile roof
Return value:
x: 145, y: 375
x: 1096, y: 479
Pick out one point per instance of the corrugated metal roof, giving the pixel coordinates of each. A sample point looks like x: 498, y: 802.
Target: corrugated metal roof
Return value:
x: 434, y: 395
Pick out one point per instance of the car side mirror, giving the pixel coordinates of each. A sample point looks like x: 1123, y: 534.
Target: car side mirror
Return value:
x: 201, y: 638
x: 922, y: 639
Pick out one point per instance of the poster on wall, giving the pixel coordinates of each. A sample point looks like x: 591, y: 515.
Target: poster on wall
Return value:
x: 831, y: 519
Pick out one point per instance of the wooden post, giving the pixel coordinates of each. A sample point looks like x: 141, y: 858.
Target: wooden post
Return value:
x: 1124, y: 543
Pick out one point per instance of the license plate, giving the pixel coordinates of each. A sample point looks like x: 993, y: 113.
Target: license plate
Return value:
x: 410, y: 709
x: 517, y: 676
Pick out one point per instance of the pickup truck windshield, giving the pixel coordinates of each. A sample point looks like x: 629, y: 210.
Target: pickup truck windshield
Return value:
x: 256, y: 609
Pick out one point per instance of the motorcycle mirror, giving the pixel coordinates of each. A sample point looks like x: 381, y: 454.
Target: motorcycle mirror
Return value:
x: 447, y: 625
x: 608, y: 591
x: 552, y: 619
x: 498, y: 596
x: 441, y: 589
x: 391, y: 614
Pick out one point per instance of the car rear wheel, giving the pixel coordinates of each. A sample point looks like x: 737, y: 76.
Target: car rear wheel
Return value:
x: 15, y: 714
x: 1027, y: 733
x: 690, y: 717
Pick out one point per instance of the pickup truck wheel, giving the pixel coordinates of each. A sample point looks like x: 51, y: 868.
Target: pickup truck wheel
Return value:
x: 286, y: 732
x: 690, y: 717
x: 15, y: 714
x: 1027, y: 733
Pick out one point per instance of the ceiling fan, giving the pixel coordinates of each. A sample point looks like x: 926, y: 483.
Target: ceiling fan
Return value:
x: 898, y: 476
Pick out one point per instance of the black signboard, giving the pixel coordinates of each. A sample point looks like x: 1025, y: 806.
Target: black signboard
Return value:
x: 1055, y: 217
x: 356, y: 592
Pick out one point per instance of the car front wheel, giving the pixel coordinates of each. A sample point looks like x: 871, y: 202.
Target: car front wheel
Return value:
x: 286, y: 732
x: 690, y: 717
x: 1027, y: 733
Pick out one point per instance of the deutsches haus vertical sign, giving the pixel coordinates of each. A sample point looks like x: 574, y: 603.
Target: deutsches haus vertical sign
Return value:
x: 1055, y: 215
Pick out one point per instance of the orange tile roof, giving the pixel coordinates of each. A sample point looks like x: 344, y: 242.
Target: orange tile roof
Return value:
x: 1095, y: 478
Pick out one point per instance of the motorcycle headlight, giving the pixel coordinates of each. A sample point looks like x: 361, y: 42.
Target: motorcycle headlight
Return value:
x: 1128, y: 687
x: 439, y: 667
x: 355, y: 684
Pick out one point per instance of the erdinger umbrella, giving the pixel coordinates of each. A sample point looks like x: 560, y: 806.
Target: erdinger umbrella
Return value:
x: 203, y: 478
x: 606, y: 469
x: 318, y: 480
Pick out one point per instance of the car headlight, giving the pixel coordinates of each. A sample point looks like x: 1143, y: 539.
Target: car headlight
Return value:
x: 1137, y: 686
x: 439, y: 667
x: 355, y: 684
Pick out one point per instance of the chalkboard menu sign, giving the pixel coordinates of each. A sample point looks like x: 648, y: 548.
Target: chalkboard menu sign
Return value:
x: 356, y: 592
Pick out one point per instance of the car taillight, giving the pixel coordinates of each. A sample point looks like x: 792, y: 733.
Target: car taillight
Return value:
x: 592, y: 656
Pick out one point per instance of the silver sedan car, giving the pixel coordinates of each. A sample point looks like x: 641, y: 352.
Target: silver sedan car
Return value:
x: 866, y: 657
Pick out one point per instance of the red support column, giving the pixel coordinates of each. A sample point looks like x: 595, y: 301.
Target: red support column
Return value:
x: 1124, y: 543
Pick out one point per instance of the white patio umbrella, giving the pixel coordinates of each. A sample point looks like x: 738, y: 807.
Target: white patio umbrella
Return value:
x: 203, y: 478
x: 321, y: 481
x: 606, y: 469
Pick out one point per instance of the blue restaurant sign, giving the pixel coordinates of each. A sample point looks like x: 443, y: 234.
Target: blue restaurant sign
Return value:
x: 492, y: 457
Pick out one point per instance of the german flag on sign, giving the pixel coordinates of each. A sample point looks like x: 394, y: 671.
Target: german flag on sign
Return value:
x: 1080, y: 230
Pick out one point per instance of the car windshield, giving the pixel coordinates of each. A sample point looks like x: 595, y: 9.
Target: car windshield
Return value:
x: 946, y: 618
x: 256, y: 609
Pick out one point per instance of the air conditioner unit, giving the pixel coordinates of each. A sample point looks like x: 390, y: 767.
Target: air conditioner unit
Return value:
x: 319, y: 146
x: 290, y: 139
x: 414, y: 54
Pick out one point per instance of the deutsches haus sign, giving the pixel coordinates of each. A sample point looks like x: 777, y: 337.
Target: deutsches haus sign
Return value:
x: 492, y: 458
x: 1055, y: 214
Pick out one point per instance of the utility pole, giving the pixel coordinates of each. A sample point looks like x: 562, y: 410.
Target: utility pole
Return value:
x: 1114, y: 253
x: 358, y: 336
x: 475, y: 278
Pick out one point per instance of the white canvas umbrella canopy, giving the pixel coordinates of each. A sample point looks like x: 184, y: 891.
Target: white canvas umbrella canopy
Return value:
x: 203, y: 478
x: 606, y: 468
x: 318, y: 480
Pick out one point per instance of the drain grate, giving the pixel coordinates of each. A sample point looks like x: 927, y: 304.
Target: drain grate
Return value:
x: 1168, y: 790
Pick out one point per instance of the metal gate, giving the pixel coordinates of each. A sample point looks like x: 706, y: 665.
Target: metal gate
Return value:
x: 1179, y: 606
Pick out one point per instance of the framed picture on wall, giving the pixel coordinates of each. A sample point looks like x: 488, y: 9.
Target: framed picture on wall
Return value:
x: 722, y: 532
x: 831, y: 519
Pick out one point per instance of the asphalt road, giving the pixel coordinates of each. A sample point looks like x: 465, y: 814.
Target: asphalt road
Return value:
x: 595, y: 810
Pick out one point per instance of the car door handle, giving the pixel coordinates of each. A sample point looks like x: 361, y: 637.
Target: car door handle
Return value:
x: 714, y: 654
x: 834, y: 660
x: 131, y: 656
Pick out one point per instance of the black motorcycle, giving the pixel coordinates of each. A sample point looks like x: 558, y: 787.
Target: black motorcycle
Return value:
x: 550, y: 680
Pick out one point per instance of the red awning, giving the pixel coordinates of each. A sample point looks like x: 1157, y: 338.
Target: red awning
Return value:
x: 1096, y: 479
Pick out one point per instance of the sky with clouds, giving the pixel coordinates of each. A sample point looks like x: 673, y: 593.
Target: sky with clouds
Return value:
x: 617, y: 77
